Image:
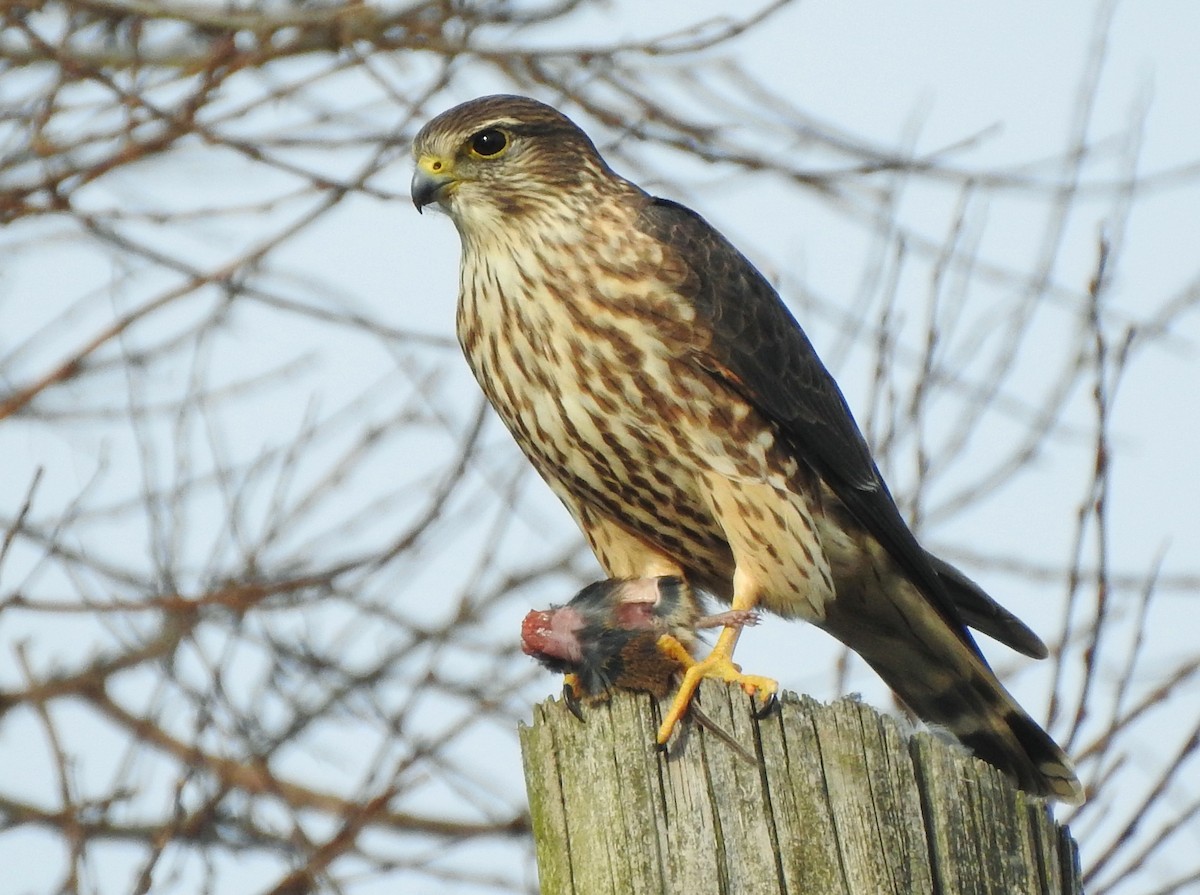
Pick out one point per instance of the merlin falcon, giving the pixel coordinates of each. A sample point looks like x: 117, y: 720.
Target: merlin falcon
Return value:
x: 668, y: 397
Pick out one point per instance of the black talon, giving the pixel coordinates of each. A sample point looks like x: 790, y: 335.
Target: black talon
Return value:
x: 767, y: 708
x: 571, y: 701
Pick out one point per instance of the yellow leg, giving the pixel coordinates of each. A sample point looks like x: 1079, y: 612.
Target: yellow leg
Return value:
x: 717, y: 664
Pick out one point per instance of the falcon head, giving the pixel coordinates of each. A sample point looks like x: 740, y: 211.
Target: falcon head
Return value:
x: 498, y: 157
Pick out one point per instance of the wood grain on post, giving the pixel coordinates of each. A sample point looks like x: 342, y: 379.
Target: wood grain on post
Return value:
x: 837, y: 800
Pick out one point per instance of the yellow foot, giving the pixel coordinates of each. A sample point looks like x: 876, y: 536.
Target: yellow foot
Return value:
x: 717, y: 664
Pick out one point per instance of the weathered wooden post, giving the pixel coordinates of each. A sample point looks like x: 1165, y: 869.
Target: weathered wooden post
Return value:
x: 837, y: 800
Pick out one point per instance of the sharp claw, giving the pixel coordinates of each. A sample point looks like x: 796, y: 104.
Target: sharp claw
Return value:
x: 718, y: 664
x: 768, y: 707
x: 571, y: 701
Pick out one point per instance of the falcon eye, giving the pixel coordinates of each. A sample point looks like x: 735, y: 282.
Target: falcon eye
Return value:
x: 489, y: 142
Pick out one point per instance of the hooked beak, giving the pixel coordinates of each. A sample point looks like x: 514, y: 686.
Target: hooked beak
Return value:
x: 430, y: 185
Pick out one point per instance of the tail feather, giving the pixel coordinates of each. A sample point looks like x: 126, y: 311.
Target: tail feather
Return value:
x: 986, y: 719
x: 935, y: 669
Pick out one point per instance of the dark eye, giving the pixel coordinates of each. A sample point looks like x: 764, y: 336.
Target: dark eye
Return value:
x: 489, y: 142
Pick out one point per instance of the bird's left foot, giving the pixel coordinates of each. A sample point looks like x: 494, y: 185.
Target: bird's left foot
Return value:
x: 717, y: 664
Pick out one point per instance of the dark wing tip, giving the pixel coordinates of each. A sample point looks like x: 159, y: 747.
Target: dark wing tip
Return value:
x: 979, y: 610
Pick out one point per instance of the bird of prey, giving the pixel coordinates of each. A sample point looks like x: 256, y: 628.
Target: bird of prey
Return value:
x: 672, y: 402
x: 621, y: 633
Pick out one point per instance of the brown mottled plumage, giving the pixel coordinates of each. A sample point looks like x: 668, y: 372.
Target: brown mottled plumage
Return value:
x: 668, y: 397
